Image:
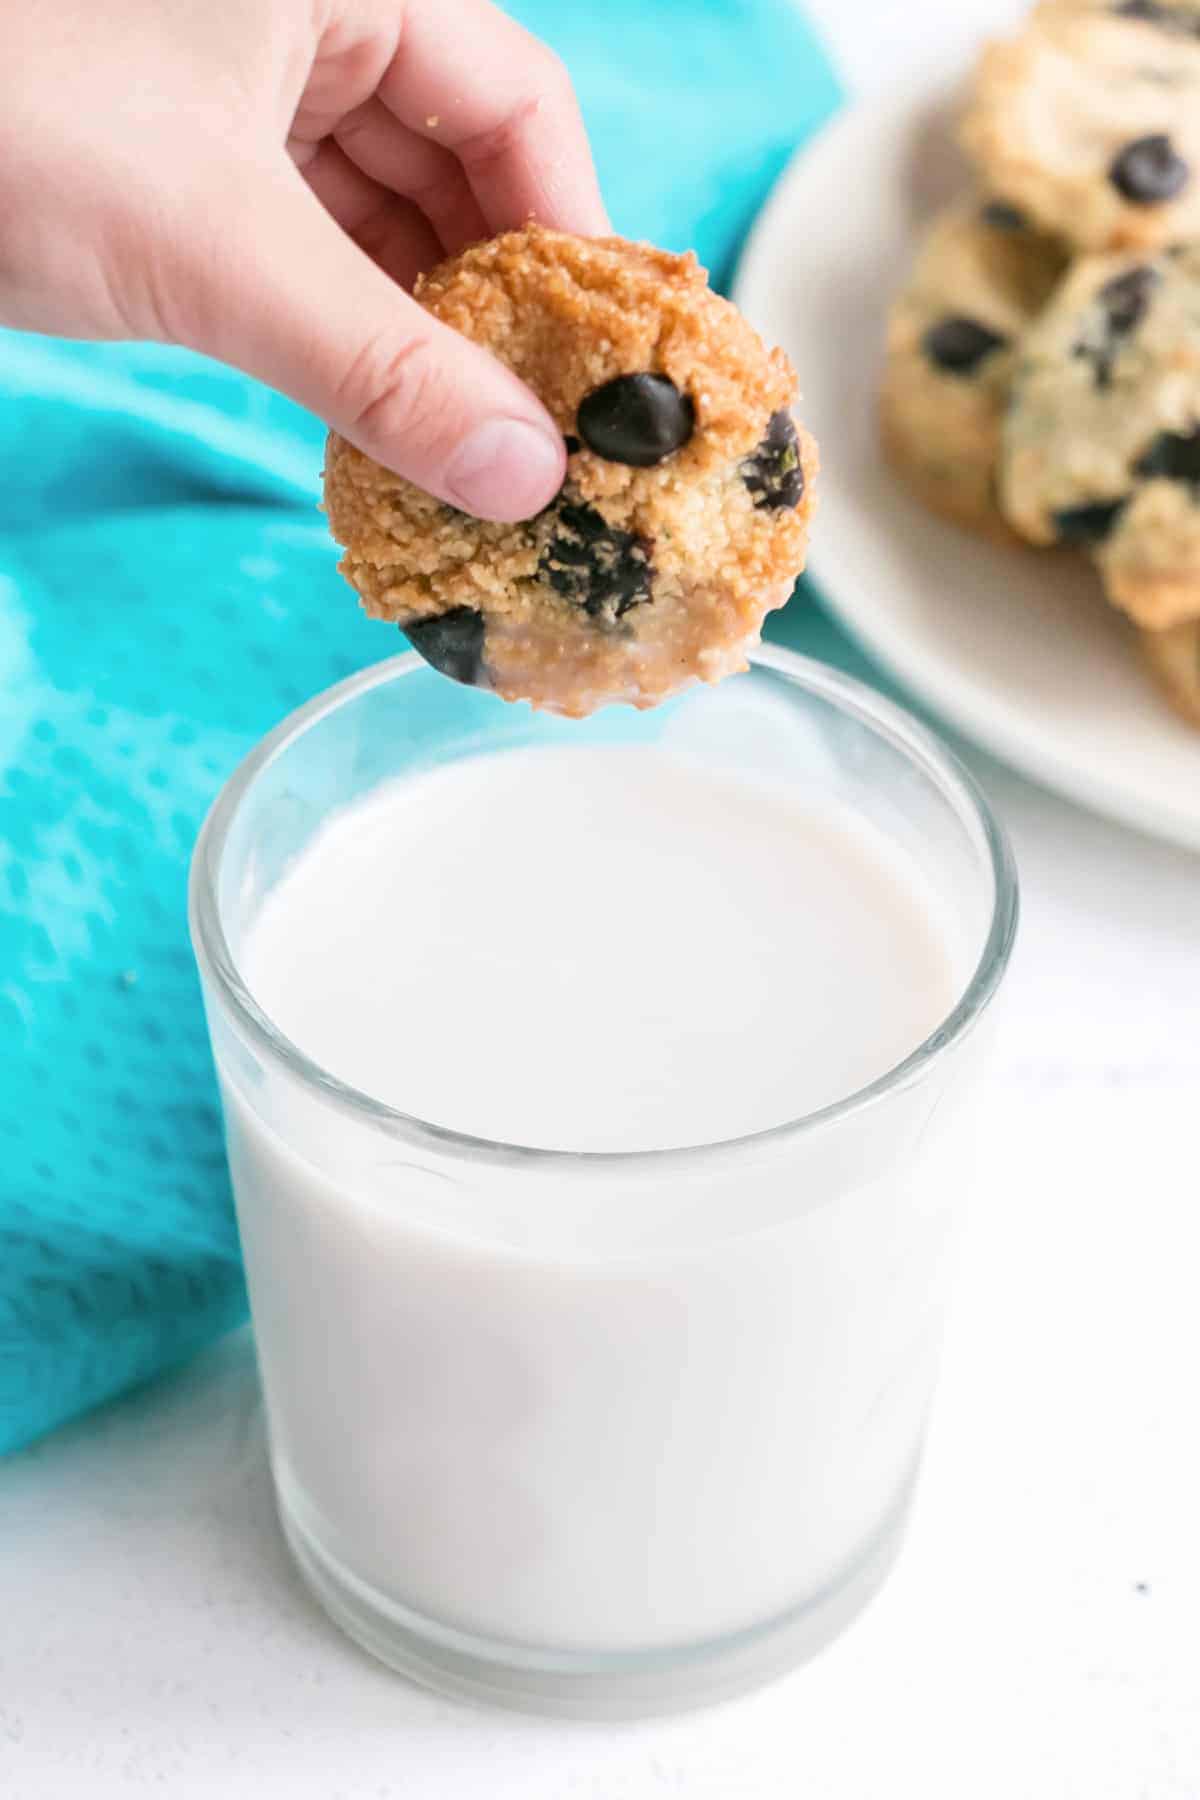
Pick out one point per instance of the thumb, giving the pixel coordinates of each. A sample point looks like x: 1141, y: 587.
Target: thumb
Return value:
x: 292, y: 300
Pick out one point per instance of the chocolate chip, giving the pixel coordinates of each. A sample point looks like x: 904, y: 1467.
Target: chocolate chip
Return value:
x: 636, y: 419
x: 1149, y: 170
x: 1002, y: 216
x: 1122, y: 304
x: 595, y: 565
x: 1185, y: 21
x: 1126, y: 297
x: 775, y: 473
x: 1088, y: 524
x: 452, y: 643
x: 959, y: 345
x: 573, y: 445
x: 1173, y: 455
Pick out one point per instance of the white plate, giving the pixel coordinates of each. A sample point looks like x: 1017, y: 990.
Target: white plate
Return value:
x: 1017, y: 649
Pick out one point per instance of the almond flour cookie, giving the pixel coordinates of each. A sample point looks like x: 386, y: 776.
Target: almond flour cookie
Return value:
x: 980, y: 277
x: 1179, y: 16
x: 1174, y: 660
x: 1089, y: 122
x: 684, y: 515
x: 1101, y: 442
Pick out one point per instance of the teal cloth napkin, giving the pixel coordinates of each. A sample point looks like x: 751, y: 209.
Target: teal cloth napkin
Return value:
x: 167, y: 592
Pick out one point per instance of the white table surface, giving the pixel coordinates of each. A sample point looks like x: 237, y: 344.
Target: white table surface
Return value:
x: 1041, y: 1637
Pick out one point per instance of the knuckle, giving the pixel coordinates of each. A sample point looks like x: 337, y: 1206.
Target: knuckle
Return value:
x: 391, y: 388
x: 546, y: 90
x: 554, y: 76
x: 498, y: 141
x: 355, y: 128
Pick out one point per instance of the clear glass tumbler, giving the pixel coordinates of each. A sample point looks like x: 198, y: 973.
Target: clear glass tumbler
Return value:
x: 602, y: 1434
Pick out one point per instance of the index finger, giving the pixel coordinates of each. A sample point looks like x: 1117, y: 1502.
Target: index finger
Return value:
x: 470, y: 78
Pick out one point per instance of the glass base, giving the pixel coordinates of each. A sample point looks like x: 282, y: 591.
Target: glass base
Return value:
x: 577, y: 1684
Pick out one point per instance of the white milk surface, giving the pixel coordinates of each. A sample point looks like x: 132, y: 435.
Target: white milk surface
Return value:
x: 599, y: 949
x: 701, y: 1408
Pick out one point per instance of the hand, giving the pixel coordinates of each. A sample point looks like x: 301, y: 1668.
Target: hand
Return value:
x: 263, y: 179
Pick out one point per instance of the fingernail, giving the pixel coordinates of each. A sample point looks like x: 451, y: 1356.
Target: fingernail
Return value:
x: 505, y: 469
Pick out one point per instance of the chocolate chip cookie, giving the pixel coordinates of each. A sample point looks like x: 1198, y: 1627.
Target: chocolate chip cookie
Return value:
x: 980, y: 276
x: 1101, y: 442
x: 684, y: 515
x: 1179, y: 16
x: 1089, y: 122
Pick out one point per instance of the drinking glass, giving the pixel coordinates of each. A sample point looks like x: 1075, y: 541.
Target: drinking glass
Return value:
x: 598, y: 1433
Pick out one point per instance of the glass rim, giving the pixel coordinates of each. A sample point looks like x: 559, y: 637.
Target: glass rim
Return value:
x: 919, y: 746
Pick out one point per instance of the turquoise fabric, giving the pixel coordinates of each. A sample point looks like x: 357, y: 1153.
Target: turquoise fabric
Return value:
x: 167, y: 591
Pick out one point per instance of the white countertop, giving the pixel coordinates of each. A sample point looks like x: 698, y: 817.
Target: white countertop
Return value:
x: 1040, y: 1639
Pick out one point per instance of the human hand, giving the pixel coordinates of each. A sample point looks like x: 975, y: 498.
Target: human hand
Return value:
x: 263, y: 179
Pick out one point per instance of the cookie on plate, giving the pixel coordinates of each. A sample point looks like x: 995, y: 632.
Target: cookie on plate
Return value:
x: 1179, y: 16
x: 1174, y: 660
x: 1101, y: 441
x: 684, y: 516
x: 1089, y: 122
x: 980, y: 276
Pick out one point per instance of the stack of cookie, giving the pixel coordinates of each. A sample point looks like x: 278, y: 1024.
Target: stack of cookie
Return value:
x: 1043, y: 360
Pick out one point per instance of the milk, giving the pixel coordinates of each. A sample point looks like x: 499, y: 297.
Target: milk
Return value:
x: 600, y: 949
x: 596, y: 1405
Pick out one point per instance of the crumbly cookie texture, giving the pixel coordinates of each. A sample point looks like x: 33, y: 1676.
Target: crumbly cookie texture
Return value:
x: 684, y: 515
x: 1101, y: 443
x: 980, y: 276
x: 1173, y: 658
x: 1089, y: 121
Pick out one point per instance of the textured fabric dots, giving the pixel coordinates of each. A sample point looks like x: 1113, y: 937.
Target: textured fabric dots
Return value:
x: 126, y: 729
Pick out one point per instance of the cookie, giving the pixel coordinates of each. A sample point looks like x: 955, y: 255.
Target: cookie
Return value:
x: 684, y: 515
x: 1181, y: 17
x: 1101, y: 441
x: 1088, y: 121
x: 979, y: 278
x: 1173, y: 658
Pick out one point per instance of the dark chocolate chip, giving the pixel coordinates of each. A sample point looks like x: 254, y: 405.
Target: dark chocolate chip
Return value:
x: 573, y: 445
x: 1184, y: 20
x: 1126, y: 297
x: 1002, y: 216
x: 636, y: 419
x: 1149, y: 170
x: 593, y: 564
x: 1174, y: 455
x: 1122, y: 302
x: 1088, y: 524
x: 452, y: 643
x: 775, y: 473
x: 959, y: 345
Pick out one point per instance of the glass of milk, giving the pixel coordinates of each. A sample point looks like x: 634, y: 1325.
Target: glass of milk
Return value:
x: 599, y: 1107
